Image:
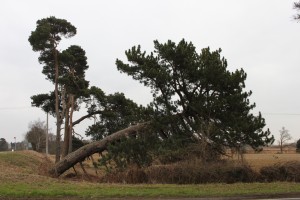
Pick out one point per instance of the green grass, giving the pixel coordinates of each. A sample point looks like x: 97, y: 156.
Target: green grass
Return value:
x: 53, y: 188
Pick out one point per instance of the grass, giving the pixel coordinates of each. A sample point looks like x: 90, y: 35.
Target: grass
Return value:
x: 20, y: 177
x: 89, y: 190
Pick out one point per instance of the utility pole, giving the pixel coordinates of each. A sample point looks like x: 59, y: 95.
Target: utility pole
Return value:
x: 15, y: 143
x: 47, y: 135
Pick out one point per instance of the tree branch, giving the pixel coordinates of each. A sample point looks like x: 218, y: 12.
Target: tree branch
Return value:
x: 86, y: 116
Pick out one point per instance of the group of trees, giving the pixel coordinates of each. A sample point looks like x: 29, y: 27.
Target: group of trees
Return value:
x: 66, y: 70
x: 197, y: 101
x: 36, y: 136
x: 5, y: 146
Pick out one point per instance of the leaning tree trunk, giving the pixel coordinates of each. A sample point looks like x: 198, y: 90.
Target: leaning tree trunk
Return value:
x: 96, y: 147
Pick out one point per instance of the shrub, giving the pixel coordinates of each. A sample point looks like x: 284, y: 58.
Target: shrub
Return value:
x: 130, y: 176
x: 195, y: 173
x: 288, y: 171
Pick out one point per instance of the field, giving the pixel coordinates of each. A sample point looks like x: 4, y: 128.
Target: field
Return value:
x: 256, y: 161
x: 268, y: 156
x: 22, y: 174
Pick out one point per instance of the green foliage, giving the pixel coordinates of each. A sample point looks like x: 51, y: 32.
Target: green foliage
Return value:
x: 49, y: 32
x: 117, y: 112
x: 76, y: 143
x: 170, y: 151
x: 195, y: 96
x: 72, y: 77
x: 133, y: 151
x: 45, y: 39
x: 3, y: 145
x: 74, y: 64
x: 44, y: 101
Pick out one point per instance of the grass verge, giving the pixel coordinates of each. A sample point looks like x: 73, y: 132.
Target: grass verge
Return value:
x: 53, y: 188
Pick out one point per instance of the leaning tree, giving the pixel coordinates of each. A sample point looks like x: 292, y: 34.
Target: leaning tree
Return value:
x: 198, y: 97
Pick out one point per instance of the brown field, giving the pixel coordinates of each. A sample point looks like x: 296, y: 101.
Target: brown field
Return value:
x: 268, y: 156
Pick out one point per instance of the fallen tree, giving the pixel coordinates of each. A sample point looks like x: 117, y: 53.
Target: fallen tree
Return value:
x: 95, y: 147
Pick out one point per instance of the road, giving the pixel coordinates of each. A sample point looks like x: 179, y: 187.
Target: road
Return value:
x: 139, y: 198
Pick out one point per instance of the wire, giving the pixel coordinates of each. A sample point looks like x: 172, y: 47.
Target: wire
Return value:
x: 280, y: 113
x: 15, y: 108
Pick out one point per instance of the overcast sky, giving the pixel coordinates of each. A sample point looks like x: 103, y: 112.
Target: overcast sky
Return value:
x: 259, y: 36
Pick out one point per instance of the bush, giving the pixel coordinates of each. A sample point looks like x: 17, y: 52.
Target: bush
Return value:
x: 196, y: 172
x: 130, y: 176
x: 288, y: 171
x: 185, y: 173
x: 189, y: 173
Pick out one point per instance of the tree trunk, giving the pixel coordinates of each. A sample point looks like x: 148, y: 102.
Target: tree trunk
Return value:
x: 95, y: 147
x: 66, y: 135
x: 71, y: 124
x: 58, y: 116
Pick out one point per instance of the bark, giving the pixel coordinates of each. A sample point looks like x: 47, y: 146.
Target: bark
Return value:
x: 58, y: 117
x: 66, y: 135
x: 71, y: 124
x: 95, y: 147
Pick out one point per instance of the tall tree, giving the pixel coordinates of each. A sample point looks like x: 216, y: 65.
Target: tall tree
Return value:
x: 284, y: 137
x: 45, y: 39
x: 196, y: 97
x: 74, y: 64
